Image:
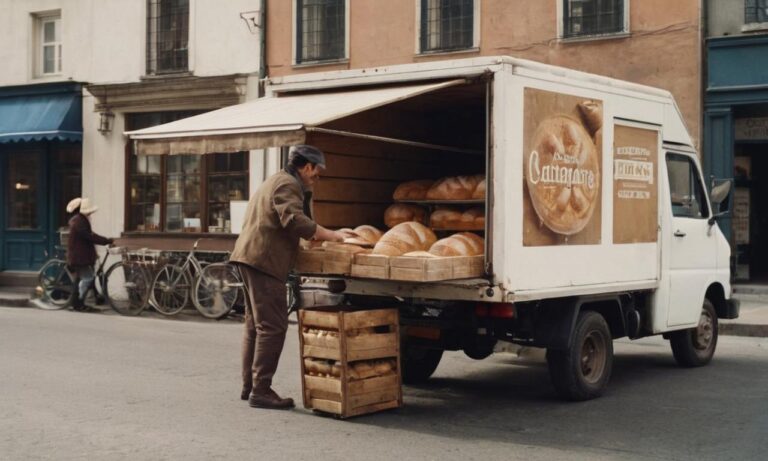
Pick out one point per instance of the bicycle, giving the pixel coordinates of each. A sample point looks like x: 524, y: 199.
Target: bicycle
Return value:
x: 217, y: 289
x: 175, y: 284
x: 121, y: 285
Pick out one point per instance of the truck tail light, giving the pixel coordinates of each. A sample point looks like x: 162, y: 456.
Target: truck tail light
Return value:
x: 495, y: 310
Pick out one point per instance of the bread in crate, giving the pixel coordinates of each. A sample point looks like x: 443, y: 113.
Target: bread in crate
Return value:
x: 455, y: 257
x: 350, y: 361
x: 371, y: 266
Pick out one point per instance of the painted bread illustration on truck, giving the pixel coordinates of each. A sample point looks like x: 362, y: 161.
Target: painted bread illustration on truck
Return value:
x: 562, y: 167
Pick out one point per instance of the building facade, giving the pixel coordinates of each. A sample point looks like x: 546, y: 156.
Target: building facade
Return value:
x: 736, y: 123
x: 653, y: 42
x: 124, y: 64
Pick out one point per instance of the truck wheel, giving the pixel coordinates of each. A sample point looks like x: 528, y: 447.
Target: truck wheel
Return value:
x: 418, y: 363
x: 696, y: 346
x: 582, y: 371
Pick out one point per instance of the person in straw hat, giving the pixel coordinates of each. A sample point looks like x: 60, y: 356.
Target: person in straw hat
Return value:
x: 81, y: 250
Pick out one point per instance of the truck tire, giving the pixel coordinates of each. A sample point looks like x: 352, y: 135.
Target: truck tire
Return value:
x: 581, y: 372
x: 418, y: 363
x: 696, y: 346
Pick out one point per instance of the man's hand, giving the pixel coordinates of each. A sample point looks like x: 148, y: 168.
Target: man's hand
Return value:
x: 333, y: 236
x: 346, y: 234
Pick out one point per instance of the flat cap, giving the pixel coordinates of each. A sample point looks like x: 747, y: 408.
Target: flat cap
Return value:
x: 311, y: 153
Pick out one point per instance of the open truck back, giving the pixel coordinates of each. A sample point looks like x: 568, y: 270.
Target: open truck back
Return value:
x: 597, y: 222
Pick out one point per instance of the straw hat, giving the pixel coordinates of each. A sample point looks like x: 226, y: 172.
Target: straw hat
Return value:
x: 83, y: 203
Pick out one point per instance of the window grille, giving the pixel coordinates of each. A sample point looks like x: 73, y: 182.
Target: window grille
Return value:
x: 447, y: 25
x: 755, y: 11
x: 320, y: 30
x: 592, y: 17
x: 167, y: 36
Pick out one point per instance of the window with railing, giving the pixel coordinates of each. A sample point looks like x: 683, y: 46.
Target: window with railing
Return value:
x: 167, y: 36
x: 320, y: 30
x: 593, y: 17
x: 755, y: 11
x: 447, y: 25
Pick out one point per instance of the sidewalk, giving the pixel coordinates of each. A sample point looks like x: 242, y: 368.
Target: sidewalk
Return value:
x: 752, y: 321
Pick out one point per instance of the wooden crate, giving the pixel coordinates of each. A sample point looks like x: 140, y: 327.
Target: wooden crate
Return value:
x: 371, y: 266
x: 310, y: 261
x: 418, y: 269
x: 339, y: 258
x: 353, y: 366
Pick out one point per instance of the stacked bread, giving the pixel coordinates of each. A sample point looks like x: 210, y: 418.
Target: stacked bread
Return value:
x: 405, y: 238
x: 413, y: 190
x: 455, y: 219
x: 461, y: 244
x: 458, y: 188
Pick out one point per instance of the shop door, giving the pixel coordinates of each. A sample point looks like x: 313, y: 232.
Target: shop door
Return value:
x: 25, y: 211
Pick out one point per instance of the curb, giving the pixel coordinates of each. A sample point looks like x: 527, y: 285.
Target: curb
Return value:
x: 16, y: 302
x: 743, y: 329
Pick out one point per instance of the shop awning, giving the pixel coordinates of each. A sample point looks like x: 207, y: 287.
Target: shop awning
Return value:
x: 41, y: 117
x: 267, y: 122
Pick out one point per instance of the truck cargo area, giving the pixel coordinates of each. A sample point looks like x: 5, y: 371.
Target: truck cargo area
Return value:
x: 430, y: 136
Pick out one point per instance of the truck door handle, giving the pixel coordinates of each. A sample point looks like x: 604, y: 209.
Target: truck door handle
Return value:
x: 679, y: 233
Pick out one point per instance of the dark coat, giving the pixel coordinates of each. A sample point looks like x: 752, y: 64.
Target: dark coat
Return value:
x: 275, y: 219
x: 80, y: 246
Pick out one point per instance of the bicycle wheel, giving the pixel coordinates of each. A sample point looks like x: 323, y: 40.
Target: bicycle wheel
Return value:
x: 216, y: 290
x: 58, y: 287
x: 170, y: 290
x: 127, y: 288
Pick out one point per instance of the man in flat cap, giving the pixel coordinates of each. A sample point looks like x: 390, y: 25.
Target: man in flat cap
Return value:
x: 278, y: 215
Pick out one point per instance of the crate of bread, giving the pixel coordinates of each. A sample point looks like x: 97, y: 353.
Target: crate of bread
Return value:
x: 411, y: 251
x: 350, y: 360
x: 336, y: 258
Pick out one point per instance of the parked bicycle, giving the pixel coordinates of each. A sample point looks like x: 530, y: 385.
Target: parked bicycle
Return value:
x: 123, y: 286
x: 211, y: 287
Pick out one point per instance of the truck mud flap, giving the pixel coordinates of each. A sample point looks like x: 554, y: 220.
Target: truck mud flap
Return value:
x: 554, y: 322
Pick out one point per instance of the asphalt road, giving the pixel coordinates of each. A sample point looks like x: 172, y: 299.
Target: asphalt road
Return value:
x: 98, y: 386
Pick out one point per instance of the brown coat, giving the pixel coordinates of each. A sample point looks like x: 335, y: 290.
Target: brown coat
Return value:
x: 274, y: 222
x: 80, y: 245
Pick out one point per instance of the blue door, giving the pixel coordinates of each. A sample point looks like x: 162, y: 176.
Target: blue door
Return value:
x: 25, y: 226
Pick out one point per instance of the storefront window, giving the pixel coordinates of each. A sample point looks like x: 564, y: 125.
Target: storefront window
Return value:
x: 145, y: 193
x: 22, y: 186
x: 227, y: 181
x: 183, y: 194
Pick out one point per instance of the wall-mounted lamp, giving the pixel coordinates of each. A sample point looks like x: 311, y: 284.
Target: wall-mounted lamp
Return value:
x: 106, y: 120
x: 252, y: 19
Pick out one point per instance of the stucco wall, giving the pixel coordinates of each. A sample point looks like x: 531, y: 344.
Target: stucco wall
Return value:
x: 104, y: 41
x: 663, y: 49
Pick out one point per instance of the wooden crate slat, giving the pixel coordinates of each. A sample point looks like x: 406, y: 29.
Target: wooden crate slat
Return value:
x: 337, y: 267
x: 322, y: 352
x: 364, y: 386
x: 368, y: 259
x: 310, y: 261
x: 370, y: 272
x: 417, y: 275
x: 324, y: 395
x: 371, y: 341
x: 370, y: 398
x: 373, y: 408
x: 424, y: 264
x: 326, y: 320
x: 332, y: 385
x: 369, y: 318
x: 327, y: 406
x: 370, y: 354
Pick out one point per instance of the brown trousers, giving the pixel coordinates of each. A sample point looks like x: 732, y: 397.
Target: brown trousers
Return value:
x: 266, y: 322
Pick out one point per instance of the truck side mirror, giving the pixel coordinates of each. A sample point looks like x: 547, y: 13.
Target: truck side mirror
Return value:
x: 719, y: 196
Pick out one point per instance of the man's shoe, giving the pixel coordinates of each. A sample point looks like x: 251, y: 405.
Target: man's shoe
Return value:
x: 245, y: 393
x: 270, y: 400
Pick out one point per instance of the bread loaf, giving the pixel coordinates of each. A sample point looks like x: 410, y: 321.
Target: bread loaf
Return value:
x: 413, y: 190
x: 400, y: 213
x: 454, y: 188
x: 445, y: 218
x: 461, y: 244
x: 404, y: 238
x: 473, y: 219
x: 367, y: 235
x: 479, y: 193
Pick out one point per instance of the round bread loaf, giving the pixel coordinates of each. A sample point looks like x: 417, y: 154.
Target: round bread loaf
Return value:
x: 454, y: 188
x: 473, y: 219
x: 404, y: 238
x: 413, y: 190
x: 479, y: 193
x: 446, y: 218
x: 401, y: 212
x: 461, y: 244
x: 366, y: 236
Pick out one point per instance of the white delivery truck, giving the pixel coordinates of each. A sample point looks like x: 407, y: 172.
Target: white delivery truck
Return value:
x: 598, y: 222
